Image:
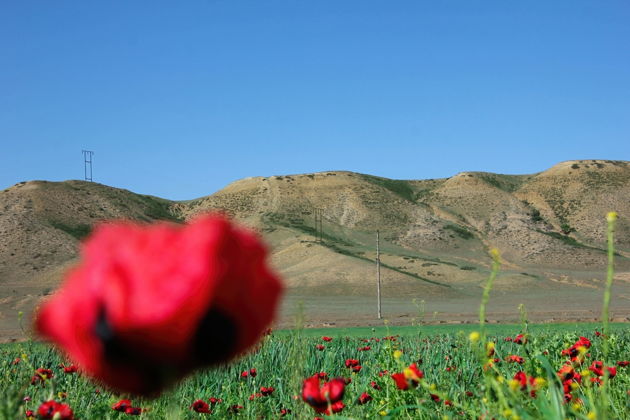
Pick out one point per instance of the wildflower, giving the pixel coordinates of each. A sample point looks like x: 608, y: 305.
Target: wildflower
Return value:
x: 70, y: 369
x: 623, y: 363
x: 121, y: 405
x: 365, y: 348
x: 320, y: 347
x: 474, y: 336
x: 435, y: 398
x: 214, y: 401
x: 133, y: 411
x: 397, y: 354
x: 597, y: 367
x: 520, y: 339
x: 364, y: 398
x: 235, y: 408
x: 255, y: 395
x: 322, y: 375
x: 611, y: 216
x: 327, y: 339
x: 200, y: 406
x: 347, y: 381
x: 30, y: 414
x: 284, y: 412
x: 376, y: 386
x: 357, y: 368
x: 266, y: 391
x: 577, y: 351
x: 54, y: 410
x: 41, y: 375
x: 352, y: 362
x: 16, y: 361
x: 490, y: 349
x: 325, y: 398
x: 523, y: 382
x: 515, y: 359
x: 149, y: 304
x: 410, y: 377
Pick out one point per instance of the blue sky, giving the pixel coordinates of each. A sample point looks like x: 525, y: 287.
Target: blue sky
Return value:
x: 178, y: 99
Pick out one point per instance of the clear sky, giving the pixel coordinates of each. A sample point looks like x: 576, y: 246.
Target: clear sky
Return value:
x: 178, y: 99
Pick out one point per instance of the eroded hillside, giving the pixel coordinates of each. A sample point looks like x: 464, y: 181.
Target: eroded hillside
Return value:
x: 321, y: 228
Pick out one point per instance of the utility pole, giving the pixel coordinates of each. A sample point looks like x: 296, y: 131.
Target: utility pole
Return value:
x: 378, y: 276
x: 87, y: 164
x: 318, y: 224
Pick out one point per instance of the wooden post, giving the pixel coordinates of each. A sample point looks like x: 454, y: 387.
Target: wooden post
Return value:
x: 378, y: 277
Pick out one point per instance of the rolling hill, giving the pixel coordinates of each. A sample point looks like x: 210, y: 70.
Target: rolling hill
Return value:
x: 435, y: 234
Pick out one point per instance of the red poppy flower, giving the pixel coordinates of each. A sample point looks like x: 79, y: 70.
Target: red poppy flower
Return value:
x: 364, y: 398
x: 133, y: 411
x: 366, y: 348
x: 255, y: 395
x: 284, y: 412
x: 235, y: 408
x: 515, y: 359
x: 70, y: 369
x: 320, y: 347
x: 520, y: 339
x: 410, y: 377
x: 327, y: 339
x: 149, y: 304
x: 121, y: 405
x: 200, y: 406
x: 322, y: 375
x: 41, y: 375
x: 357, y: 368
x: 16, y: 361
x: 266, y: 391
x: 576, y: 351
x: 623, y: 363
x: 323, y: 398
x: 435, y: 398
x: 53, y: 409
x: 597, y: 367
x: 214, y: 401
x: 376, y: 386
x: 351, y: 362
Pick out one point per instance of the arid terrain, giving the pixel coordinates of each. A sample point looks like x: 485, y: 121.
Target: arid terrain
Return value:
x: 434, y: 239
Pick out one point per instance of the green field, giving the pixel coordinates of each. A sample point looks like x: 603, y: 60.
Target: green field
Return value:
x: 448, y: 359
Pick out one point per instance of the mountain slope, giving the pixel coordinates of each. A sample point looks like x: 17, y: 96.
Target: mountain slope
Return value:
x: 321, y: 227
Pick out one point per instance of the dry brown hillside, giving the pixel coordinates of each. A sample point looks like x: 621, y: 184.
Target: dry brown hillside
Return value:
x: 435, y: 235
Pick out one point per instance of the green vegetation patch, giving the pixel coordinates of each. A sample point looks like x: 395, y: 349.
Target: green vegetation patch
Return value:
x: 398, y: 187
x: 78, y: 231
x: 460, y: 231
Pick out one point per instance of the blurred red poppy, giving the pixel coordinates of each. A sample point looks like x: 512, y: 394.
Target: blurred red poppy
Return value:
x: 325, y: 398
x: 150, y: 303
x: 364, y: 398
x: 515, y: 359
x: 352, y: 362
x: 121, y: 405
x: 55, y: 410
x: 266, y: 391
x: 410, y: 377
x: 41, y: 375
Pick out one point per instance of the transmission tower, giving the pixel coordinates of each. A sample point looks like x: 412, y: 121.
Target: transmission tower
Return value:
x: 87, y: 161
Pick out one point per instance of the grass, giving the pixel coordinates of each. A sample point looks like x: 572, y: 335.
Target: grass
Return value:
x: 288, y: 356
